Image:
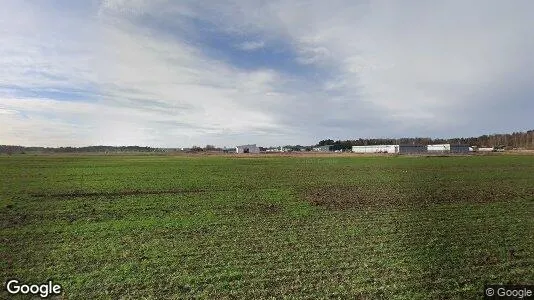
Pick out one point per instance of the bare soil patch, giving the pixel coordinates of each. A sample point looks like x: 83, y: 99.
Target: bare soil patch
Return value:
x: 347, y: 197
x: 352, y: 197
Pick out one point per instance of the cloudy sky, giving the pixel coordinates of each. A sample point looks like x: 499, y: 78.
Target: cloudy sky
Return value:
x: 191, y: 72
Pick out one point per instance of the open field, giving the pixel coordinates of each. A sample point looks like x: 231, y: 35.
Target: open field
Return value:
x: 165, y: 227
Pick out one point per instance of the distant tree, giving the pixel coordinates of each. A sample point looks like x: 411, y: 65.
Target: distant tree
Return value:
x: 325, y: 142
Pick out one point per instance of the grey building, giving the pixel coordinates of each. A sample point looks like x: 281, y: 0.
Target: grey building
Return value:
x: 247, y: 149
x: 459, y: 148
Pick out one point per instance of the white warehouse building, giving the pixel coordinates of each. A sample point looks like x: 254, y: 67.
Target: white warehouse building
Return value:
x: 247, y: 149
x: 439, y: 148
x: 376, y: 149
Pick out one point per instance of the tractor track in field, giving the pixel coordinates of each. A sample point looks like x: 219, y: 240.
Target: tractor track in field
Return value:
x: 138, y: 192
x: 126, y: 193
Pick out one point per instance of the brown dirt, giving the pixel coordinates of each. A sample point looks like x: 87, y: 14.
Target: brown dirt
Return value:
x: 347, y: 197
x: 351, y: 197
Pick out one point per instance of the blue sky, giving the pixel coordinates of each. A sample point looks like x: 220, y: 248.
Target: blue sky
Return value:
x: 181, y: 73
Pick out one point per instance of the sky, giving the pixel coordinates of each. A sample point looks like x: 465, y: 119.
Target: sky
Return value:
x: 179, y: 73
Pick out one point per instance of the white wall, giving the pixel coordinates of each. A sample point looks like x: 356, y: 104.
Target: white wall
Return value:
x: 439, y: 147
x: 376, y: 149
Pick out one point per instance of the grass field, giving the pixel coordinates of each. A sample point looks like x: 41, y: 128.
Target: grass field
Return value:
x: 165, y: 227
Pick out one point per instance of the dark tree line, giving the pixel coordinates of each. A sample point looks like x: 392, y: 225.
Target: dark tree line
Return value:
x: 21, y: 149
x: 297, y: 148
x: 511, y: 140
x: 9, y: 149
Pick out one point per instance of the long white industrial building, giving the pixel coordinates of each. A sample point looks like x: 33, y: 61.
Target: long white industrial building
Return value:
x: 450, y: 148
x: 376, y: 149
x: 411, y: 149
x: 439, y: 148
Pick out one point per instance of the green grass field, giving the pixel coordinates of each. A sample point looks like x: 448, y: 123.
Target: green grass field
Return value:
x: 166, y: 227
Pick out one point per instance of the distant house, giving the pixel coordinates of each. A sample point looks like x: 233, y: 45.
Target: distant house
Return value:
x: 247, y: 149
x: 325, y: 148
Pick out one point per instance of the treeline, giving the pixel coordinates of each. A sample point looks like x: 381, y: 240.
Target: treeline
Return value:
x: 520, y: 140
x: 8, y: 149
x: 206, y: 148
x: 524, y: 140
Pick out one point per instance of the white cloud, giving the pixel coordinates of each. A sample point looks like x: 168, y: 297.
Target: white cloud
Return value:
x: 146, y: 87
x: 251, y: 45
x: 313, y: 55
x: 4, y: 111
x: 414, y: 61
x: 376, y: 68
